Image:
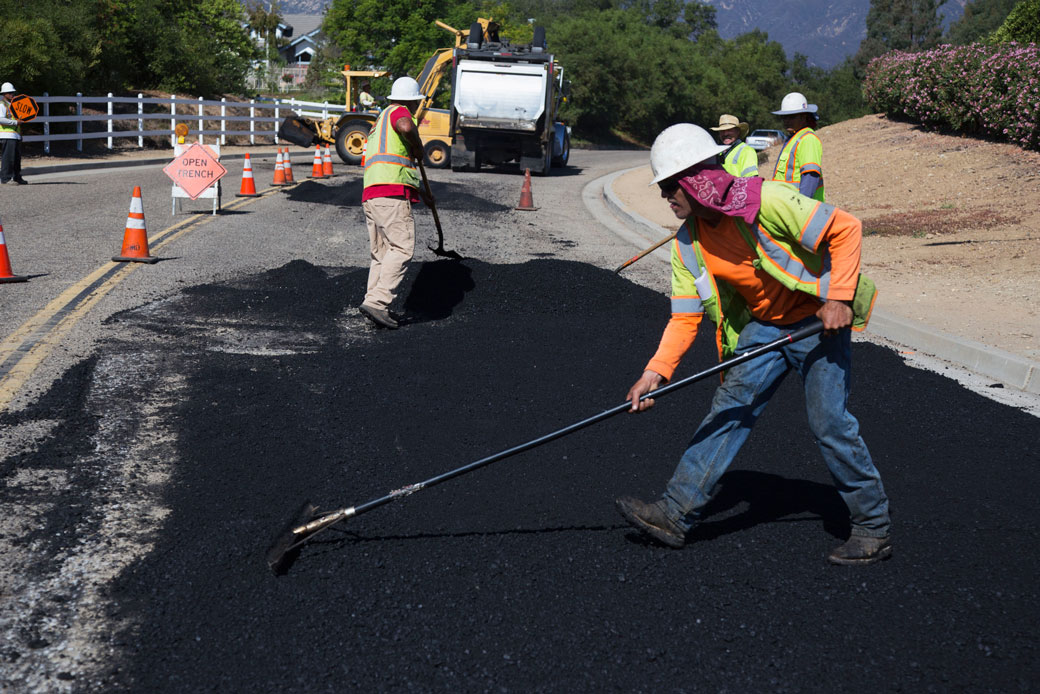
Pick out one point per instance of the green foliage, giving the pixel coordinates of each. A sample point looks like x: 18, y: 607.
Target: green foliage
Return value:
x: 1022, y: 24
x: 906, y: 25
x: 69, y: 46
x: 980, y: 18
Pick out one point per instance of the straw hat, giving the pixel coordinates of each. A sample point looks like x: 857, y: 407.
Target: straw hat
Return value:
x: 727, y: 121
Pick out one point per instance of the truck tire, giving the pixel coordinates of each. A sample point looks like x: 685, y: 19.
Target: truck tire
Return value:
x: 350, y: 140
x: 437, y: 154
x: 476, y: 35
x: 563, y: 157
x: 539, y: 38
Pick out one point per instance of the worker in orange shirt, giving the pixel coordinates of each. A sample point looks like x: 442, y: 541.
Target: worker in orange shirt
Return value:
x: 760, y: 261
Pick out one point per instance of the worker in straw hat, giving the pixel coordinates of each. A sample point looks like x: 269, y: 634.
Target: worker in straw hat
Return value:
x: 761, y: 262
x: 738, y: 159
x: 800, y: 162
x: 391, y: 186
x: 10, y: 138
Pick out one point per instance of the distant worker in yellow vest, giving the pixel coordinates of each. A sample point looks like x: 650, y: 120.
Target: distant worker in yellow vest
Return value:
x: 800, y: 162
x: 10, y: 138
x: 391, y: 186
x: 739, y: 159
x: 365, y: 98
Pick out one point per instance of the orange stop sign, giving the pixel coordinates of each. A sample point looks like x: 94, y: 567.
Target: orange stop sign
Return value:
x: 24, y: 107
x: 195, y: 170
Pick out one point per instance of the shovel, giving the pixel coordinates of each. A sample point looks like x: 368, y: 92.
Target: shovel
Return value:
x: 308, y: 522
x: 439, y: 250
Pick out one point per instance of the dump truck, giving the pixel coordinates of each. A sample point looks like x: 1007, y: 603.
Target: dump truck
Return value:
x: 505, y: 99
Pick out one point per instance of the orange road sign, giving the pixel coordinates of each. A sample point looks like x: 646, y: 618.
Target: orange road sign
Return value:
x: 195, y: 170
x: 24, y: 107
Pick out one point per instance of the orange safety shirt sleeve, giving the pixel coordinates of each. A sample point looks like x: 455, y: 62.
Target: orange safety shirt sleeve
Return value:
x: 844, y: 238
x: 677, y: 338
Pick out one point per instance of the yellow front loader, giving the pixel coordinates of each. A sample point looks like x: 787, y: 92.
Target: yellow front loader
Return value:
x: 349, y: 131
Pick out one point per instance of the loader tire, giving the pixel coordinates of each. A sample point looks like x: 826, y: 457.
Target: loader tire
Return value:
x: 438, y: 155
x: 351, y: 139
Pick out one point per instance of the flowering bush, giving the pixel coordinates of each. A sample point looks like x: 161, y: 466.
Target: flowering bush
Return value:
x: 975, y: 89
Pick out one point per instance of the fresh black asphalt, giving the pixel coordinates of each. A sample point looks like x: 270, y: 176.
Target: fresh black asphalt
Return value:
x: 521, y: 576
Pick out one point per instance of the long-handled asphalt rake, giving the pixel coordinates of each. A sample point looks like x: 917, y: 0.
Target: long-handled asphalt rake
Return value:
x: 307, y: 522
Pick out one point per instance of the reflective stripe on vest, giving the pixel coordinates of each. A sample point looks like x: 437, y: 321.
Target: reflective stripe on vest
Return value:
x: 734, y: 155
x: 791, y: 147
x: 793, y: 266
x: 383, y: 166
x: 701, y: 278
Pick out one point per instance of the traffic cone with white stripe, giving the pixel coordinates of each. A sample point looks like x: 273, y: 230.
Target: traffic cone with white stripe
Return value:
x: 326, y: 163
x: 248, y: 187
x: 279, y: 170
x: 287, y: 166
x: 135, y: 238
x: 6, y: 274
x: 317, y: 171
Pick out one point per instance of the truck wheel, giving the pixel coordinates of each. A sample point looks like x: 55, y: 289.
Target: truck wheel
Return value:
x: 351, y: 139
x: 437, y: 154
x: 539, y: 38
x: 561, y: 160
x: 476, y: 35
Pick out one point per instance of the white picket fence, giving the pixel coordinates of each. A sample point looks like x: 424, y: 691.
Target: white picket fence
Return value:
x: 252, y: 118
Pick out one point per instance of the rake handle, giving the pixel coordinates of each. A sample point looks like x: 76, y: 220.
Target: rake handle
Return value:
x: 644, y: 252
x: 433, y: 206
x: 342, y: 514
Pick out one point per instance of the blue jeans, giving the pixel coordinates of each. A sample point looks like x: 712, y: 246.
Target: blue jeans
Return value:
x: 824, y: 363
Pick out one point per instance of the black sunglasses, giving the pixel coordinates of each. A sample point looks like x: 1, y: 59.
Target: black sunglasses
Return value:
x: 669, y: 185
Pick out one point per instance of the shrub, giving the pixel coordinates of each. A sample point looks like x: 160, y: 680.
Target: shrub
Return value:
x: 974, y: 89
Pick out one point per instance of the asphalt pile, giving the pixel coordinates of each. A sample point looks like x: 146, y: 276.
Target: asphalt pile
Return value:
x: 521, y: 576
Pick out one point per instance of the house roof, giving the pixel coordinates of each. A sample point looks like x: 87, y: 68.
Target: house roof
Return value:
x: 303, y: 24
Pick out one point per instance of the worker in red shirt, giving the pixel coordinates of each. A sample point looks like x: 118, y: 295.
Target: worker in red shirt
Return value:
x: 391, y: 186
x: 760, y: 261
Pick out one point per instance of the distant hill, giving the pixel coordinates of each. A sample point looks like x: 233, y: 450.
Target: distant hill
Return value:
x: 824, y: 30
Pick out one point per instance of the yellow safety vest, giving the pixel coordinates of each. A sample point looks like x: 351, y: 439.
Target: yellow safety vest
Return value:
x: 6, y: 113
x: 387, y: 161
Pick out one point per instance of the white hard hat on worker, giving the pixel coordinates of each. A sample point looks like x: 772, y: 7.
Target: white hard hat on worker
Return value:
x: 793, y: 103
x: 405, y: 89
x: 679, y: 147
x: 7, y: 88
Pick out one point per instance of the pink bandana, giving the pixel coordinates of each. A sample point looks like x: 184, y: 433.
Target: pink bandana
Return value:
x: 717, y: 189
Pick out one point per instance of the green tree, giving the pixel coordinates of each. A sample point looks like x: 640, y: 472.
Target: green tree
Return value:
x: 50, y: 45
x: 1022, y: 24
x: 980, y: 18
x: 908, y: 25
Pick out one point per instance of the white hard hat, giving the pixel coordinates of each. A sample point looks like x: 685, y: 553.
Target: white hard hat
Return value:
x: 405, y: 89
x: 679, y: 147
x: 794, y: 103
x: 7, y: 88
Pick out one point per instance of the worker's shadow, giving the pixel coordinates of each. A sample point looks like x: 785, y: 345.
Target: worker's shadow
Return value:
x: 438, y: 288
x: 770, y: 499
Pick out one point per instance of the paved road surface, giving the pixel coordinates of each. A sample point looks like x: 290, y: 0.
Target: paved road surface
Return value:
x: 153, y: 454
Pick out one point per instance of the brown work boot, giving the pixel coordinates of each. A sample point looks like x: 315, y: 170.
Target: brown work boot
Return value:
x: 651, y: 520
x: 861, y: 550
x: 379, y: 316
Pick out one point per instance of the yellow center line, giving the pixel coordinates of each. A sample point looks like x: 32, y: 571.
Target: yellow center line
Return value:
x: 22, y: 352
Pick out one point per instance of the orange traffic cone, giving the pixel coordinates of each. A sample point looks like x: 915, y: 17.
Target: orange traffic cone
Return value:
x: 279, y: 170
x: 317, y: 171
x: 248, y: 187
x: 6, y: 275
x: 135, y: 238
x: 287, y: 166
x: 326, y: 163
x: 526, y: 199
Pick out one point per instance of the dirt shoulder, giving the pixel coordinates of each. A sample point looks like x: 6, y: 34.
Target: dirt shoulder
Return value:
x: 951, y: 225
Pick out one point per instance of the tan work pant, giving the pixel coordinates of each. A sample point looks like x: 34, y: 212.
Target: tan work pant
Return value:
x: 391, y: 240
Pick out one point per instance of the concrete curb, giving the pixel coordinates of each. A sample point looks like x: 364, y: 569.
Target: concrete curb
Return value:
x: 990, y: 362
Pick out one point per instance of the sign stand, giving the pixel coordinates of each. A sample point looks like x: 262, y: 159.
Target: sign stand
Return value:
x: 196, y: 171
